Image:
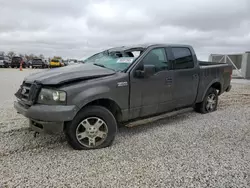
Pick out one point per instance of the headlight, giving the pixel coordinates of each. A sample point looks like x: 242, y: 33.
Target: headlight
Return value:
x: 49, y: 96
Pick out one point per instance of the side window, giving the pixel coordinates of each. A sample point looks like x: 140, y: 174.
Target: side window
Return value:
x: 183, y: 58
x: 158, y: 58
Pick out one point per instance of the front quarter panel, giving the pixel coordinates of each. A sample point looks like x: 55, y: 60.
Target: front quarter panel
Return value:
x: 108, y: 87
x: 91, y: 94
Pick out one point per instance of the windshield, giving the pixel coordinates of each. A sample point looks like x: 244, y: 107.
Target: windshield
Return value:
x: 115, y: 60
x: 1, y: 58
x: 116, y: 64
x: 55, y: 60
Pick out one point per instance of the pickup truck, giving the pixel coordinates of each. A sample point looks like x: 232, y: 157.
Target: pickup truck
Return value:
x: 88, y: 101
x: 37, y: 63
x: 16, y: 61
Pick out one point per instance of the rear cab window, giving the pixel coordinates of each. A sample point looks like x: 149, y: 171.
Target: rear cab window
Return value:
x: 16, y: 59
x: 37, y: 60
x: 55, y: 60
x: 183, y: 58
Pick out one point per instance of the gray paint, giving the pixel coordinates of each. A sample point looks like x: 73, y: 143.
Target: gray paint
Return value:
x: 136, y: 97
x: 68, y: 74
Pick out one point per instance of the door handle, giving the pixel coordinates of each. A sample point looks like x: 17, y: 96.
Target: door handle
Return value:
x: 169, y: 80
x: 195, y: 76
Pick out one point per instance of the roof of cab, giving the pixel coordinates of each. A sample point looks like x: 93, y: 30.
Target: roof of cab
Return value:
x: 144, y: 46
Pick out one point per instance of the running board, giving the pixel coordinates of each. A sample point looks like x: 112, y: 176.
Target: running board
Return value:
x: 158, y: 117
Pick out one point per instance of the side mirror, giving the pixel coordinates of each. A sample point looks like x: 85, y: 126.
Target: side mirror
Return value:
x: 148, y: 70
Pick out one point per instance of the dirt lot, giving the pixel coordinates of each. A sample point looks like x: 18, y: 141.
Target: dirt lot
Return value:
x: 184, y: 150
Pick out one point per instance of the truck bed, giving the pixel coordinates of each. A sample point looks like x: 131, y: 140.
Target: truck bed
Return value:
x: 212, y: 72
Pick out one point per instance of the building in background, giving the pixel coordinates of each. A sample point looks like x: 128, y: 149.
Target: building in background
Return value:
x: 240, y: 63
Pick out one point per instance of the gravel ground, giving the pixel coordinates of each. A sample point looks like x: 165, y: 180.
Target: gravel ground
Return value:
x: 184, y: 150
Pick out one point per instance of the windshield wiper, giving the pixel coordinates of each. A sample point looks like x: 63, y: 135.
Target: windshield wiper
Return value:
x: 101, y: 65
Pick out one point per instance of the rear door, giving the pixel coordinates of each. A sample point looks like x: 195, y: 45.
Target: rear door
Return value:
x: 186, y: 76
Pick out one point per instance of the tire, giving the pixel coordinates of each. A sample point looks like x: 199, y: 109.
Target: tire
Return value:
x: 109, y: 128
x: 204, y: 107
x: 12, y: 67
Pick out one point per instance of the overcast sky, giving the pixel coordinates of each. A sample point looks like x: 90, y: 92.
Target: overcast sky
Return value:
x: 79, y: 28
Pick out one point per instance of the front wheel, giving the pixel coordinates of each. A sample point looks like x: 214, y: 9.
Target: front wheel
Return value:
x: 93, y: 127
x: 210, y: 102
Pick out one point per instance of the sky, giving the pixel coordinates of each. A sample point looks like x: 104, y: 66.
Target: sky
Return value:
x: 80, y: 28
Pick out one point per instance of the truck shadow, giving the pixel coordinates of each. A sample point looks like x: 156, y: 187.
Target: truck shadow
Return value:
x: 22, y: 140
x: 162, y: 121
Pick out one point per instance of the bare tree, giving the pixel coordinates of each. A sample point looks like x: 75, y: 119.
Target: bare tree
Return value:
x: 27, y: 57
x: 41, y: 56
x: 11, y: 54
x: 21, y: 55
x: 31, y: 56
x: 57, y: 57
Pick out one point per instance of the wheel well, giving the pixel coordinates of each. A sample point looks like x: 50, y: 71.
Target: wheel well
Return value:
x: 216, y: 86
x: 111, y: 105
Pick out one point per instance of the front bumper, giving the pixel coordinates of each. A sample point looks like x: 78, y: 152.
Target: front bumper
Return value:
x: 46, y: 127
x: 55, y: 65
x: 47, y: 118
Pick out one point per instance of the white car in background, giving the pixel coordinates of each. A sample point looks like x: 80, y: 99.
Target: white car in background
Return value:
x: 4, y: 61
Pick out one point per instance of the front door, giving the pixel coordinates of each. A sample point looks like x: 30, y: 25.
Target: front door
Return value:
x: 149, y: 96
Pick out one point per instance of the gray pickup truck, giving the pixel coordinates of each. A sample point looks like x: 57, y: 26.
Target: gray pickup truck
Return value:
x: 88, y: 101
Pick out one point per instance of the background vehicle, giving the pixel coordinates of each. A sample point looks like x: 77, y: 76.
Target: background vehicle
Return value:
x: 117, y: 86
x: 1, y: 61
x: 16, y: 60
x: 46, y: 63
x: 37, y: 63
x: 29, y: 63
x: 71, y: 62
x: 55, y: 63
x: 4, y: 61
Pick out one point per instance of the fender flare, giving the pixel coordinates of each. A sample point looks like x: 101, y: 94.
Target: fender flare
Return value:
x: 92, y: 94
x: 209, y: 86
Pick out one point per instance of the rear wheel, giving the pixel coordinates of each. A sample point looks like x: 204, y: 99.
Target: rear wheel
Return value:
x: 210, y: 102
x: 93, y: 127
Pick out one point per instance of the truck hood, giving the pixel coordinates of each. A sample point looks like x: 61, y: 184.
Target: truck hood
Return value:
x: 58, y: 76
